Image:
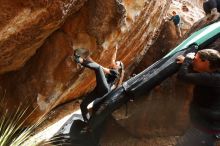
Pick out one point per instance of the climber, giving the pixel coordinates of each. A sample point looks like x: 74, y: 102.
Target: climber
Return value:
x: 212, y: 9
x: 106, y: 80
x: 202, y: 70
x: 176, y: 20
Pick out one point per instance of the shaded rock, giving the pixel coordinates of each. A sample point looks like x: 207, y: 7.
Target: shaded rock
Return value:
x: 164, y: 111
x: 51, y: 78
x: 26, y: 24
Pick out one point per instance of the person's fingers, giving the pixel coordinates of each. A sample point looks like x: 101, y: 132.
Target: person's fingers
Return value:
x: 179, y: 62
x: 180, y: 59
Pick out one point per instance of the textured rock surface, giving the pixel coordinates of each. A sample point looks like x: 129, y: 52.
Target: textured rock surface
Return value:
x: 51, y: 76
x: 164, y: 111
x: 24, y: 26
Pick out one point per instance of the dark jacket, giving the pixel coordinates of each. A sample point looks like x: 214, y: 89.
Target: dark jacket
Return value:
x: 175, y: 19
x: 210, y: 4
x: 112, y: 77
x: 205, y: 106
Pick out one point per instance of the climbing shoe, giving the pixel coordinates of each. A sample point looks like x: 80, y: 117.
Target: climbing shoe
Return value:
x: 84, y: 53
x: 77, y: 58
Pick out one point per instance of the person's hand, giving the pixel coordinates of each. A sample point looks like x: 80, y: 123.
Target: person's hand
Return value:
x: 165, y: 18
x: 180, y: 59
x: 116, y: 46
x: 215, y: 14
x: 190, y: 55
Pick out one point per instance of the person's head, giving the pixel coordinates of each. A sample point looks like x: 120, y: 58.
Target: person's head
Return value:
x: 206, y: 60
x: 118, y: 65
x: 174, y: 13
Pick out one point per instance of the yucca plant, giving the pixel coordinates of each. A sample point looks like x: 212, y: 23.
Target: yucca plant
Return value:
x: 12, y: 130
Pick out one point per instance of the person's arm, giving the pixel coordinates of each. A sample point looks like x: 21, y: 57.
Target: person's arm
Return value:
x: 204, y: 78
x: 211, y: 11
x: 110, y: 71
x: 106, y: 70
x: 212, y: 4
x: 114, y: 55
x: 171, y: 18
x: 214, y: 14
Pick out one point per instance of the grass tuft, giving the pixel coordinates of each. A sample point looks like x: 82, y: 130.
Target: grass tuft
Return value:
x: 13, y: 132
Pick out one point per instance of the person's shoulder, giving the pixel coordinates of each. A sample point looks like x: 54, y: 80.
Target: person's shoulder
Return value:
x: 114, y: 72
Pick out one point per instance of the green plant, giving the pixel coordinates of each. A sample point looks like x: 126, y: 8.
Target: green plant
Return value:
x: 12, y: 129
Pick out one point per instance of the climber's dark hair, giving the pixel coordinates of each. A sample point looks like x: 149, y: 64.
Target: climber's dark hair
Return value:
x: 211, y: 55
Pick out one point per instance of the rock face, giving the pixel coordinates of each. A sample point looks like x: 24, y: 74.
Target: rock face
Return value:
x: 37, y: 40
x: 25, y: 25
x: 50, y: 77
x: 164, y: 111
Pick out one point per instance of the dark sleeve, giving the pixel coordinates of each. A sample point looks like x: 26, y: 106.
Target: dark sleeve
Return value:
x: 178, y: 18
x: 209, y: 5
x: 212, y: 4
x: 204, y: 78
x: 114, y: 73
